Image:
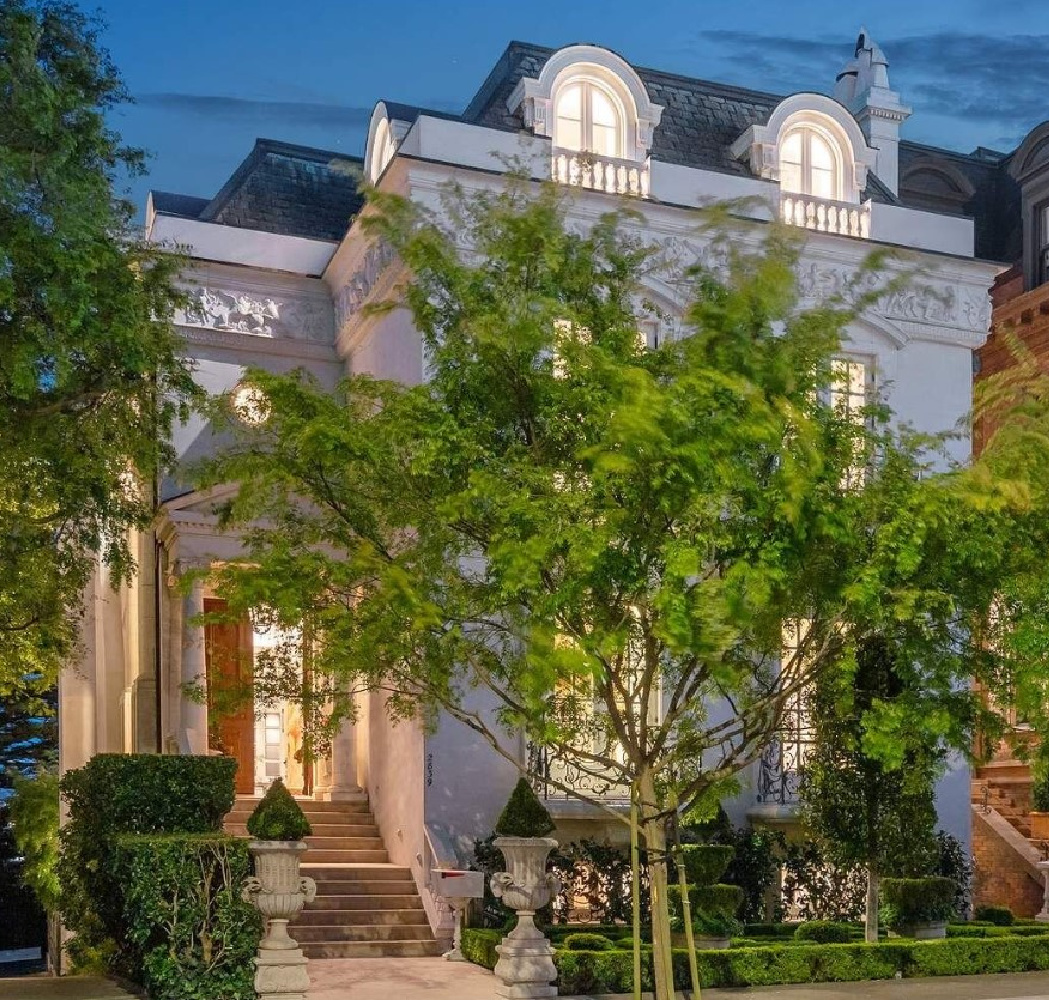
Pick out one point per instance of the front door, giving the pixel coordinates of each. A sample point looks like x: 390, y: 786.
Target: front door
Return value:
x: 228, y: 659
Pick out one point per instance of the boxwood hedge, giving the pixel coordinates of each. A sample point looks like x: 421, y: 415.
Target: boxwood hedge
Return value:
x: 612, y: 971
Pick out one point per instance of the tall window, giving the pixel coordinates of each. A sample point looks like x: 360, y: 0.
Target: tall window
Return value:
x: 848, y: 396
x: 586, y: 118
x: 808, y: 164
x: 1042, y: 260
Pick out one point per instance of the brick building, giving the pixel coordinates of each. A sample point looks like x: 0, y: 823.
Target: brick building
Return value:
x: 1005, y: 855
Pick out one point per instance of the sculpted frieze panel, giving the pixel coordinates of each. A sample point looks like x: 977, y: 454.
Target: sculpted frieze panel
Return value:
x: 355, y: 291
x: 261, y: 315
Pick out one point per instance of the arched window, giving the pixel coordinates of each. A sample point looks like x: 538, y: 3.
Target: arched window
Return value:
x: 810, y: 163
x: 384, y: 148
x: 589, y: 119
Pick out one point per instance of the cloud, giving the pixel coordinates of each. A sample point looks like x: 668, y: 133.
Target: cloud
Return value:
x: 975, y: 79
x: 242, y: 111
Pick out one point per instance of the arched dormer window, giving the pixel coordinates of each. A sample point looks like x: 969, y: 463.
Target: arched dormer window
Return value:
x: 588, y: 118
x: 384, y: 149
x: 595, y: 108
x: 815, y: 152
x: 810, y: 162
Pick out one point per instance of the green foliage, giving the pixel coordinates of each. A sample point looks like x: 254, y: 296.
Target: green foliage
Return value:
x: 278, y: 816
x: 825, y: 932
x: 1000, y: 916
x: 1040, y: 778
x: 705, y: 863
x: 34, y: 814
x: 586, y: 942
x: 994, y: 931
x: 714, y: 909
x: 866, y: 808
x: 910, y: 901
x: 602, y: 876
x: 91, y: 369
x: 114, y: 794
x: 524, y: 815
x: 188, y: 935
x: 817, y: 888
x: 28, y: 732
x: 955, y: 862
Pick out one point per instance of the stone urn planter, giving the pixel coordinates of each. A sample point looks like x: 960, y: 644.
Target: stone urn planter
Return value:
x: 277, y: 889
x: 703, y: 942
x: 932, y: 931
x: 526, y: 958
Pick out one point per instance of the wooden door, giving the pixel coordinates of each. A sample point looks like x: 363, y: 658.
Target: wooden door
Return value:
x: 228, y: 659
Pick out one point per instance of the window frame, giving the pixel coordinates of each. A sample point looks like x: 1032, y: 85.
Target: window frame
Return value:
x: 587, y: 85
x: 1041, y: 243
x: 806, y: 130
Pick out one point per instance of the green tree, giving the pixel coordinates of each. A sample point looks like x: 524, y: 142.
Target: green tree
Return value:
x: 90, y: 377
x: 863, y: 809
x: 34, y: 817
x: 606, y: 539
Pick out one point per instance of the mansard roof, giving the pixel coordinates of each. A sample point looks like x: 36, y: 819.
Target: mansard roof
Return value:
x: 280, y: 188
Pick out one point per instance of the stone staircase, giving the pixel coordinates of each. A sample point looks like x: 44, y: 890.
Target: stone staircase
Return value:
x: 365, y: 907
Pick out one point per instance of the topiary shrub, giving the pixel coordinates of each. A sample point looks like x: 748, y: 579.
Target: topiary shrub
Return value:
x: 524, y: 815
x: 824, y: 932
x: 705, y: 863
x: 278, y: 816
x: 714, y: 909
x: 586, y: 942
x: 1000, y: 916
x: 189, y: 932
x: 114, y: 794
x: 907, y: 902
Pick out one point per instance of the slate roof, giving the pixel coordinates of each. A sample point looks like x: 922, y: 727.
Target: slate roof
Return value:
x: 281, y: 188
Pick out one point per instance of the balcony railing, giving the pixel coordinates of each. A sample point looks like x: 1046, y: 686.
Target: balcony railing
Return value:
x: 782, y: 765
x: 825, y: 216
x: 550, y: 775
x: 599, y: 173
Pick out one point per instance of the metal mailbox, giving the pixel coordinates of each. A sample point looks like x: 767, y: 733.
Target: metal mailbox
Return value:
x: 453, y: 884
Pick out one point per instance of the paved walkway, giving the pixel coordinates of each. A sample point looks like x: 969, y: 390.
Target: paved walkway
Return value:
x: 436, y: 979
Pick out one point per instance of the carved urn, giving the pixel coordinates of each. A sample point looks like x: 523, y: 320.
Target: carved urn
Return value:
x: 277, y: 889
x: 526, y: 958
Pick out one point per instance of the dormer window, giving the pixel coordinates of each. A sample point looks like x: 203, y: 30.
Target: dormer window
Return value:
x: 588, y: 119
x: 809, y: 163
x: 1042, y: 262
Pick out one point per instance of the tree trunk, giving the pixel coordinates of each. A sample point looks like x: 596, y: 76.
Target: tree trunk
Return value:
x: 870, y: 930
x: 656, y: 845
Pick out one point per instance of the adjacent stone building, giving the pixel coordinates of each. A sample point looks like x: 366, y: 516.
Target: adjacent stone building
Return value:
x: 280, y: 272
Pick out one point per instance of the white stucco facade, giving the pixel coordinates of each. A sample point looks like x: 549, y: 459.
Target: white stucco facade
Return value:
x: 287, y: 301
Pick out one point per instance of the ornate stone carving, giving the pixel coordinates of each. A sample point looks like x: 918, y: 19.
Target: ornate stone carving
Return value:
x: 355, y: 291
x: 261, y: 315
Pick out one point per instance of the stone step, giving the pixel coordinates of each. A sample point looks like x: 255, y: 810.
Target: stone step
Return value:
x: 345, y: 843
x: 340, y: 871
x: 313, y: 916
x: 375, y: 855
x: 372, y: 949
x: 365, y: 888
x: 361, y: 932
x: 348, y: 829
x: 375, y: 901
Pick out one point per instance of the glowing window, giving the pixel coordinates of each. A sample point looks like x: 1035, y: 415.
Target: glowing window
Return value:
x: 587, y: 118
x: 808, y: 164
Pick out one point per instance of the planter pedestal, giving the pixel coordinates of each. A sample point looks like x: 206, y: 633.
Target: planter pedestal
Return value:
x: 526, y: 958
x: 280, y: 893
x: 925, y: 932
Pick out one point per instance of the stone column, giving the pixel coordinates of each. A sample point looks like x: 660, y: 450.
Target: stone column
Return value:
x: 344, y: 763
x: 193, y: 729
x: 1044, y: 915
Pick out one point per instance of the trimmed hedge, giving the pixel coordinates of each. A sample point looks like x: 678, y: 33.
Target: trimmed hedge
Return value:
x: 910, y: 901
x: 612, y: 971
x: 189, y: 934
x: 1001, y: 916
x: 278, y: 816
x: 586, y: 942
x: 992, y: 931
x: 117, y: 794
x: 705, y: 863
x: 825, y: 932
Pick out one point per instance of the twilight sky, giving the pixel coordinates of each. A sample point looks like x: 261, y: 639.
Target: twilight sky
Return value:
x: 211, y: 75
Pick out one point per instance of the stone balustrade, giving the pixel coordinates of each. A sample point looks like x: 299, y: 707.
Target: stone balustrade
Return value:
x: 826, y: 216
x: 599, y: 173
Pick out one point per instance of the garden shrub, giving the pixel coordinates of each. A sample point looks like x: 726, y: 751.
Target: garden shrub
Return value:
x: 582, y: 972
x: 1000, y: 916
x: 909, y: 901
x: 34, y: 820
x: 278, y: 816
x: 524, y: 815
x: 782, y: 930
x: 825, y: 932
x: 601, y: 875
x: 114, y: 794
x: 190, y: 935
x: 583, y: 941
x: 714, y: 909
x: 816, y: 888
x: 705, y: 863
x: 992, y: 931
x: 955, y: 862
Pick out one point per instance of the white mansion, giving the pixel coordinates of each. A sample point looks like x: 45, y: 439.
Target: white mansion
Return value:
x: 280, y: 272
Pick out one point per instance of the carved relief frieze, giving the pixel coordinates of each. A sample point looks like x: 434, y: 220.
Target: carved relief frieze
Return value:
x: 261, y: 314
x: 354, y: 292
